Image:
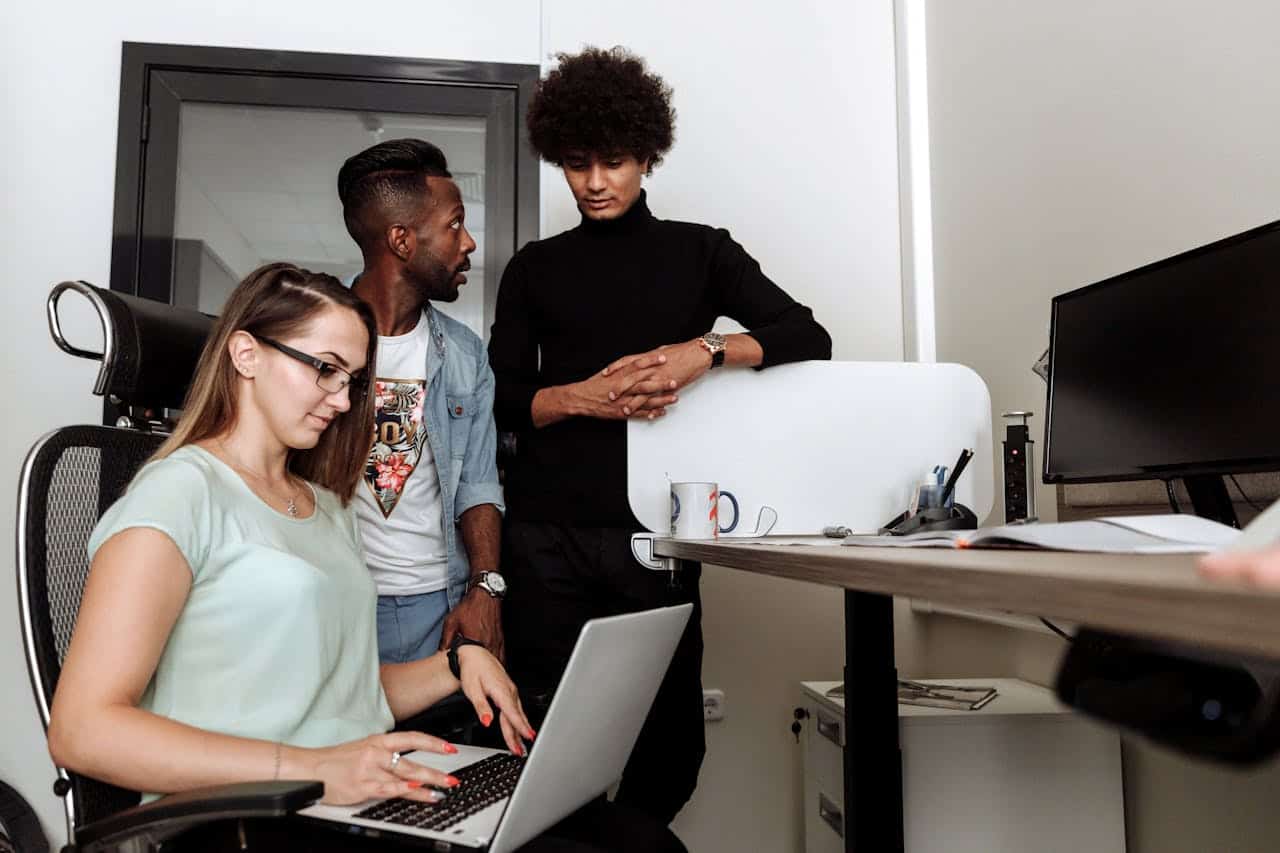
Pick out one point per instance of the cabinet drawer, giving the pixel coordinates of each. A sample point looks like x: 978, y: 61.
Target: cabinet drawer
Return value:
x: 823, y: 825
x: 825, y: 755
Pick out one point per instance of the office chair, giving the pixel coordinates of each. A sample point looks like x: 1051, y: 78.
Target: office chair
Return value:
x: 70, y: 477
x: 20, y: 830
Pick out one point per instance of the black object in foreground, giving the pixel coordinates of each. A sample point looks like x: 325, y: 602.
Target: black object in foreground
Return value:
x: 1222, y: 709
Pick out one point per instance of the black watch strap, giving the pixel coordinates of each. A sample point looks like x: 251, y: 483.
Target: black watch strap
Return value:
x: 458, y: 641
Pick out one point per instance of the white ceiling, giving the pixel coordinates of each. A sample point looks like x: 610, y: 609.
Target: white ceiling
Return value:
x: 258, y: 184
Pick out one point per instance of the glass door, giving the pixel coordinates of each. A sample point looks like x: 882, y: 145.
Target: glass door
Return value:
x: 256, y: 184
x: 236, y: 154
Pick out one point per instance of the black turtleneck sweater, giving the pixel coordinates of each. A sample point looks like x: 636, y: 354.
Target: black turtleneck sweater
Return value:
x: 598, y: 292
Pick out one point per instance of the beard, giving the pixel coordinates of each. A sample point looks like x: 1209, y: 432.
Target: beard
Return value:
x: 434, y: 280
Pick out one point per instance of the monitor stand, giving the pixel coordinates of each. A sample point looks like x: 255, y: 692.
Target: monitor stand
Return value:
x: 1209, y: 498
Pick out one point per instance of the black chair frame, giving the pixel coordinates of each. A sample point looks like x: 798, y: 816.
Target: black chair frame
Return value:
x: 68, y: 480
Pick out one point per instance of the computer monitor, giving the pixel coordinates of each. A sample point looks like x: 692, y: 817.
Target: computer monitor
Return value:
x: 1171, y: 371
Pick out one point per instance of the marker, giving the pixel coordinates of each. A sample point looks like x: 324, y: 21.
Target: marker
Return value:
x: 965, y: 456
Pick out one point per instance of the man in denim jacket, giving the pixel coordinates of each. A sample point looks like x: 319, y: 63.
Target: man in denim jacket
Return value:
x: 431, y: 484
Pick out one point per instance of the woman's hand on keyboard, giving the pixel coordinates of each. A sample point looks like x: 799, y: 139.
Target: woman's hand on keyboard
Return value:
x: 484, y: 681
x: 364, y: 769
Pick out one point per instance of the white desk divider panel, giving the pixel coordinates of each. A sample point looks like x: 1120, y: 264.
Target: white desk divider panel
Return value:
x: 823, y: 443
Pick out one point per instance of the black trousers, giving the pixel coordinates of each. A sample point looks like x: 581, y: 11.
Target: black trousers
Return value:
x: 599, y: 827
x: 558, y: 577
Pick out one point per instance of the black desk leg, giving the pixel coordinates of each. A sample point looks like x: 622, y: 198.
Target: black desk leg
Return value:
x: 872, y: 758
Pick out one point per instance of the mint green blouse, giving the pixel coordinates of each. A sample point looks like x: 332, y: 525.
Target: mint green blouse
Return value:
x: 277, y: 639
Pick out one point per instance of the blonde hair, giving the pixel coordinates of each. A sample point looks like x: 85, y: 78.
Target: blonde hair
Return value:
x: 278, y: 300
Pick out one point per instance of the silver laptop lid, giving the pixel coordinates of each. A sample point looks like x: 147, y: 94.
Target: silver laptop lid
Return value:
x: 594, y: 719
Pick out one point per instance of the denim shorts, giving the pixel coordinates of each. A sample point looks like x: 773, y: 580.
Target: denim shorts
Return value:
x: 409, y: 626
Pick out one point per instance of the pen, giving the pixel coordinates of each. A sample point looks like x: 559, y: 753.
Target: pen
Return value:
x: 965, y: 456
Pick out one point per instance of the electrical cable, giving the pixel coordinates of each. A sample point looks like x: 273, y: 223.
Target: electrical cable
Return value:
x: 1243, y: 495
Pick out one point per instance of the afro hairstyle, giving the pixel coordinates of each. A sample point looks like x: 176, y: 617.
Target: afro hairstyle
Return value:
x: 601, y: 102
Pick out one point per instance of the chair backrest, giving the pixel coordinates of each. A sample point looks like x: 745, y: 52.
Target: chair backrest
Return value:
x: 149, y: 349
x: 72, y: 475
x: 69, y: 479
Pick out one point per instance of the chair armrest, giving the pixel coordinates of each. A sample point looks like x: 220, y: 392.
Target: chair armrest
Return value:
x: 177, y: 813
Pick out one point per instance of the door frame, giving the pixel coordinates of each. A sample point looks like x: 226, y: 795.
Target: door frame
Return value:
x: 156, y: 78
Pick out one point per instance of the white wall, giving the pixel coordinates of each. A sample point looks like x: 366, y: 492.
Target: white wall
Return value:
x: 61, y: 70
x: 1070, y: 142
x: 786, y: 136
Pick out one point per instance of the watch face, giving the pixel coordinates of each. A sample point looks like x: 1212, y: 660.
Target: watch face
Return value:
x: 495, y: 582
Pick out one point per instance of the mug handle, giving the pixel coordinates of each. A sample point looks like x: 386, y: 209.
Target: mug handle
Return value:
x: 733, y: 501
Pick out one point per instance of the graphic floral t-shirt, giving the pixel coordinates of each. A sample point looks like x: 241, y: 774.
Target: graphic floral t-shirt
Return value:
x: 399, y: 437
x: 399, y: 505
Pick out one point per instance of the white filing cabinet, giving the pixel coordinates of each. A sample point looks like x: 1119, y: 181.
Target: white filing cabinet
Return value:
x: 1020, y: 774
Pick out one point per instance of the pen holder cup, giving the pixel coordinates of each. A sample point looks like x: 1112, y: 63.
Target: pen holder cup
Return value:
x: 930, y: 497
x: 955, y: 517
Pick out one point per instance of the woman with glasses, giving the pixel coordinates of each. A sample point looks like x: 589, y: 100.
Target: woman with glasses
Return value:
x: 227, y: 593
x: 227, y: 629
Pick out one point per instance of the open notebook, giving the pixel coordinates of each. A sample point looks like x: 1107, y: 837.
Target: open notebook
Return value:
x: 1132, y: 534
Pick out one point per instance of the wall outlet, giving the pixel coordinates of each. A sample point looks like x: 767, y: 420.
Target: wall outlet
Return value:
x: 712, y: 705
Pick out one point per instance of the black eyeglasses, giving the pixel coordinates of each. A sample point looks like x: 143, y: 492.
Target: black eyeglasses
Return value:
x: 329, y: 377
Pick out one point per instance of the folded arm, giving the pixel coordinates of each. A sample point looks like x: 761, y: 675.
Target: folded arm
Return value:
x: 780, y: 331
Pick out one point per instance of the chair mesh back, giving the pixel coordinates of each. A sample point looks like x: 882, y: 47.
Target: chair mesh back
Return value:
x: 73, y: 476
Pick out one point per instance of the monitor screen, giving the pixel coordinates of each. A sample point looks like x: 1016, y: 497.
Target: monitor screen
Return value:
x: 1170, y: 370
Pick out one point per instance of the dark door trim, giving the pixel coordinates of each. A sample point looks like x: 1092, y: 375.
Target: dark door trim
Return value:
x: 156, y: 78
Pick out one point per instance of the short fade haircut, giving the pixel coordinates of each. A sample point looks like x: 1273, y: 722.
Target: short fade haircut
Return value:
x: 601, y: 102
x: 385, y: 183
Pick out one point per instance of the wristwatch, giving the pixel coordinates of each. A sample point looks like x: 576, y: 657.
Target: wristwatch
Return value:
x: 714, y: 343
x: 491, y: 582
x: 458, y: 641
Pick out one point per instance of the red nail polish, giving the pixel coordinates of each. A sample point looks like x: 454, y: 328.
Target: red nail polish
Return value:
x: 450, y: 748
x: 451, y: 781
x: 531, y: 735
x: 414, y: 784
x: 486, y: 720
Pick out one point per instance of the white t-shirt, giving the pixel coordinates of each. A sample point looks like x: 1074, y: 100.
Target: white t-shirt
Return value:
x: 399, y: 505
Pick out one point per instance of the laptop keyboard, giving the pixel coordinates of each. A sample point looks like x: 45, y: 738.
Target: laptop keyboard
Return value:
x: 480, y: 785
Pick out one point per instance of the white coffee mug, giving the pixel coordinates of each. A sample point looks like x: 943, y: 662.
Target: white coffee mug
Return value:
x: 695, y: 511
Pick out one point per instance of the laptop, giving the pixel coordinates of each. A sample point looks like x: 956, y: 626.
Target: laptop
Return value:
x: 502, y: 800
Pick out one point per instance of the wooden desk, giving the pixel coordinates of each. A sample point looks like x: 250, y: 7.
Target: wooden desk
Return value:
x: 1154, y: 596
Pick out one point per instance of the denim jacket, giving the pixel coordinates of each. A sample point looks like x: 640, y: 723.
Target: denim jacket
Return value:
x: 461, y: 432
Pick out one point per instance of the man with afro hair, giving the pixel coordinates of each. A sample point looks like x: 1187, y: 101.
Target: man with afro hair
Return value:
x: 605, y: 322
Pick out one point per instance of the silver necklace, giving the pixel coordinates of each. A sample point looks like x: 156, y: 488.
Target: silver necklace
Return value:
x: 290, y: 506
